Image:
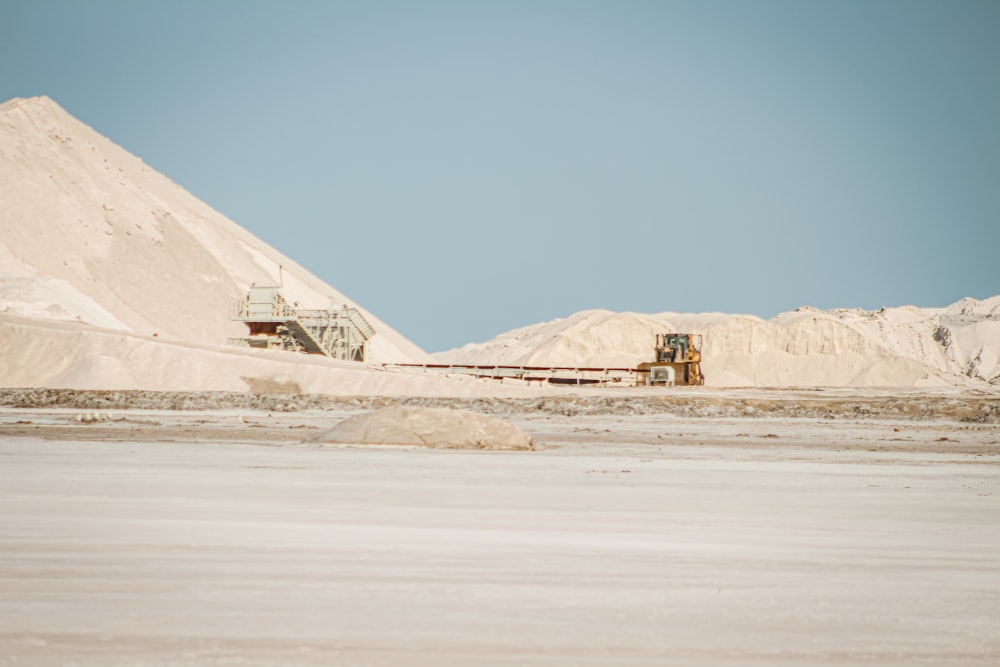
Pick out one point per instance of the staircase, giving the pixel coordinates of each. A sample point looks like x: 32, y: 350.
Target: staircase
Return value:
x: 305, y: 338
x: 357, y: 319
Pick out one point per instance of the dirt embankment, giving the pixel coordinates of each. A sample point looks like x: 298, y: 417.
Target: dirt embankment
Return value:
x: 968, y: 407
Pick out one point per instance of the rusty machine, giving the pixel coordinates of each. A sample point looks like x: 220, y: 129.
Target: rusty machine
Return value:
x: 677, y: 362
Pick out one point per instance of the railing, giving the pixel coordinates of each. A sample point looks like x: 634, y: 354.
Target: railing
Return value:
x: 350, y: 315
x: 276, y: 311
x: 358, y: 320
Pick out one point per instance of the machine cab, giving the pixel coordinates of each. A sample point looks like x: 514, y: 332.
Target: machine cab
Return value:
x: 677, y: 347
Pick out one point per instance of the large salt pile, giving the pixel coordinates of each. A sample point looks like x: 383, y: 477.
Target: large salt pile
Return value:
x: 113, y: 277
x: 91, y: 234
x: 906, y: 346
x: 438, y: 428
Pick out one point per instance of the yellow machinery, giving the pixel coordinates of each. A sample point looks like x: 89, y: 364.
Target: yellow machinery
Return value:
x: 678, y: 362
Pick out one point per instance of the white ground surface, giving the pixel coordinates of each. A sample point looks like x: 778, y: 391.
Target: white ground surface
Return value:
x: 218, y: 538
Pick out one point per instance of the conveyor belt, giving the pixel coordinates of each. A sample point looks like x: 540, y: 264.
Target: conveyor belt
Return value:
x: 553, y: 374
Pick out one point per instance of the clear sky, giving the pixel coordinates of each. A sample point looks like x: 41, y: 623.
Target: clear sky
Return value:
x: 463, y: 168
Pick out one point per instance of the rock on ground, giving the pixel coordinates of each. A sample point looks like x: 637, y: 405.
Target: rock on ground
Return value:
x: 440, y: 428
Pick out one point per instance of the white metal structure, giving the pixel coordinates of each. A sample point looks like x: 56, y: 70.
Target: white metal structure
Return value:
x: 339, y: 333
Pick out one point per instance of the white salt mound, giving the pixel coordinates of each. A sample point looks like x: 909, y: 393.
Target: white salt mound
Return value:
x: 91, y: 234
x: 907, y: 346
x: 114, y: 277
x: 439, y: 428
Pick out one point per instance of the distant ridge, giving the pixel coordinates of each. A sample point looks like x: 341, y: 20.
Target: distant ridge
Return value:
x: 898, y: 347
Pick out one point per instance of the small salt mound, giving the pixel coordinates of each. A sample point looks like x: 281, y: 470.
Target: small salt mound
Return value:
x: 441, y: 428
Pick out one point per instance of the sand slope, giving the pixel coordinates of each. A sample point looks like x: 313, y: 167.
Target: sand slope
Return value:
x: 73, y: 355
x: 904, y: 346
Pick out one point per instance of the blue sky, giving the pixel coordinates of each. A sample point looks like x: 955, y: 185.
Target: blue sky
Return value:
x: 464, y: 168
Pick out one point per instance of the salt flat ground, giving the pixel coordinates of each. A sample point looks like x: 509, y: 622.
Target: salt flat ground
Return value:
x: 224, y: 537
